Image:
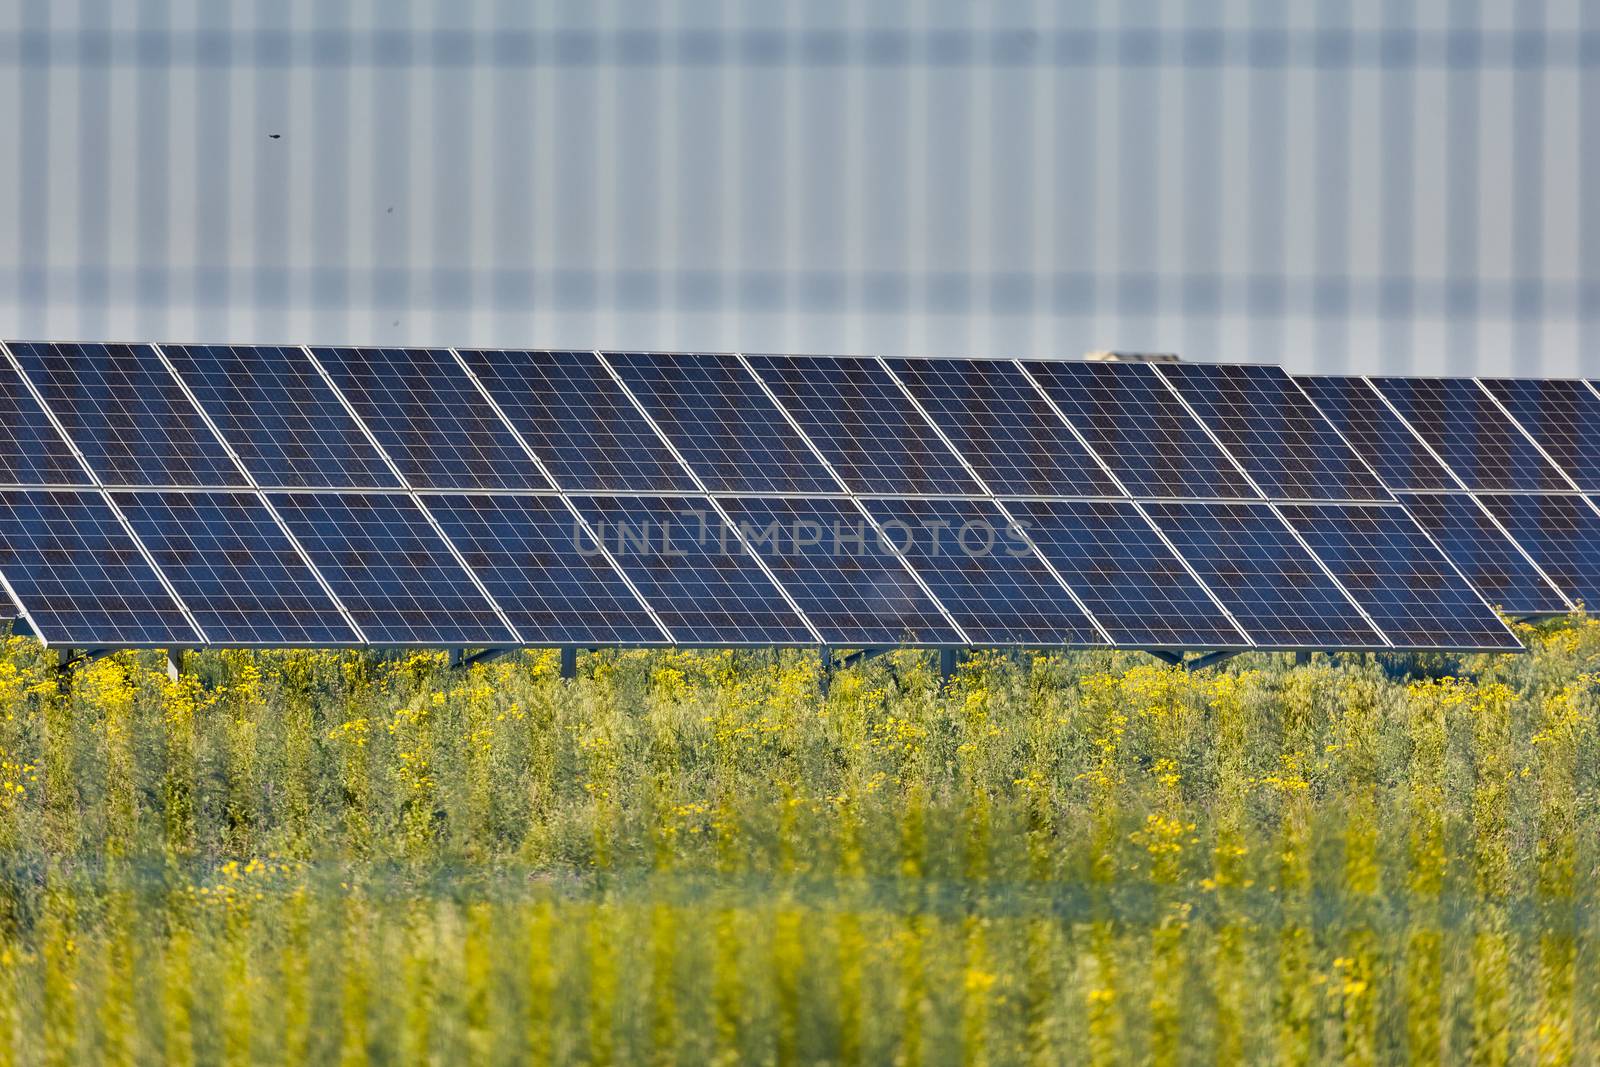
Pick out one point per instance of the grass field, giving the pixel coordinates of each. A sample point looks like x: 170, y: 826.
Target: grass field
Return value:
x: 697, y: 858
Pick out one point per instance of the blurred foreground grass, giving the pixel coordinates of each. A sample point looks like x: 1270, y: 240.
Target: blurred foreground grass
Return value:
x: 696, y: 858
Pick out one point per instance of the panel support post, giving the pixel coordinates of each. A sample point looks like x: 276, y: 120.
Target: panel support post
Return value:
x: 458, y: 656
x: 174, y: 663
x: 824, y: 669
x: 947, y: 665
x: 1302, y: 659
x: 569, y: 663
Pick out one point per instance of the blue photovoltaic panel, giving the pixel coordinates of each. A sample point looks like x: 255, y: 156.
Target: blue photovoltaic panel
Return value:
x: 871, y: 434
x: 578, y: 421
x: 1397, y: 454
x: 1483, y: 553
x: 831, y: 560
x: 280, y: 417
x: 1142, y: 431
x: 430, y: 418
x: 390, y: 569
x: 1003, y: 427
x: 1254, y: 565
x: 549, y: 579
x: 723, y: 424
x: 1470, y: 433
x: 693, y: 572
x: 1563, y: 415
x: 31, y: 451
x: 1268, y: 425
x: 80, y: 576
x: 127, y: 416
x: 235, y: 569
x: 1127, y: 577
x: 1561, y: 533
x: 1402, y: 580
x: 984, y: 572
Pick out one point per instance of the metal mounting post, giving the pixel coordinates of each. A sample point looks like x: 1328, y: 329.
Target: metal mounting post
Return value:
x: 174, y: 664
x: 569, y: 663
x: 1302, y: 659
x: 1210, y: 659
x: 947, y: 665
x: 824, y: 669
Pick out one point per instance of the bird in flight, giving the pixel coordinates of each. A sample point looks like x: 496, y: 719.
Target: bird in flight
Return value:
x: 275, y: 136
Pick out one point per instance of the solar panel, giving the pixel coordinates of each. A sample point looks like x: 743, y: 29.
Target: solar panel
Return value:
x: 1563, y: 416
x: 829, y: 558
x: 1393, y: 571
x: 1376, y: 433
x: 1254, y: 565
x: 390, y: 569
x: 1561, y: 533
x: 872, y: 435
x: 79, y: 576
x: 1269, y: 426
x: 1483, y: 553
x: 1129, y: 579
x: 1005, y: 429
x: 578, y: 421
x: 1135, y: 423
x: 984, y: 573
x: 236, y: 570
x: 127, y: 416
x: 31, y: 451
x: 692, y: 570
x: 1470, y: 433
x: 280, y: 417
x: 430, y: 418
x: 553, y: 585
x: 723, y: 424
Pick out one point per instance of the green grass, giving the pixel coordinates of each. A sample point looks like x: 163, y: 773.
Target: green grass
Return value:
x: 697, y: 858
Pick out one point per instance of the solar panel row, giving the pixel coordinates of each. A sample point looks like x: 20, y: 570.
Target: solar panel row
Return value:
x: 1494, y: 470
x: 498, y: 497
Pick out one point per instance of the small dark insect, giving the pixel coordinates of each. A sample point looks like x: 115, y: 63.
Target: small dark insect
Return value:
x: 391, y: 210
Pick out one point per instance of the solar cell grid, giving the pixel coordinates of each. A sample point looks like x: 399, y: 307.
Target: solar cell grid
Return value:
x: 826, y: 554
x: 1130, y: 581
x: 1269, y: 426
x: 1135, y: 423
x: 1003, y: 427
x: 578, y: 421
x: 235, y: 569
x: 280, y: 417
x: 430, y: 419
x: 530, y: 554
x: 723, y: 424
x: 1470, y: 433
x: 1394, y: 572
x: 1561, y: 533
x: 1563, y: 415
x: 390, y: 569
x: 31, y: 451
x: 984, y: 572
x: 1483, y: 552
x: 127, y: 416
x: 1376, y: 433
x: 872, y: 435
x: 1254, y: 565
x: 693, y: 571
x: 80, y: 576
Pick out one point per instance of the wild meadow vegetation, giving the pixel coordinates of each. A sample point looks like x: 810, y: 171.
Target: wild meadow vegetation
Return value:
x: 701, y: 858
